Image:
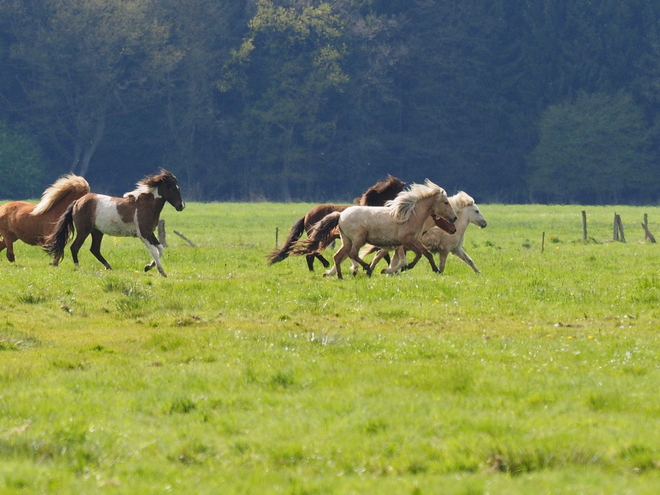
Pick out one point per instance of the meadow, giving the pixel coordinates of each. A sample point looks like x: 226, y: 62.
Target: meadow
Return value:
x: 230, y: 376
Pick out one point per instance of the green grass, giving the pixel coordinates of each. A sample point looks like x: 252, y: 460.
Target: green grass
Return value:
x: 230, y: 376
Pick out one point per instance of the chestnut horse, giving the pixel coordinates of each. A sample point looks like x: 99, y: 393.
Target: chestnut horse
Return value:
x: 376, y: 195
x: 399, y: 222
x: 32, y: 223
x: 134, y: 215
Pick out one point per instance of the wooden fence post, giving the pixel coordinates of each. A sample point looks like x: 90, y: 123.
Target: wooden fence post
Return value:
x: 161, y: 233
x: 647, y: 232
x: 584, y: 226
x: 618, y: 229
x: 542, y: 242
x: 615, y: 233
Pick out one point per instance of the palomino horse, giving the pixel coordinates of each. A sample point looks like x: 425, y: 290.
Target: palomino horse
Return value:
x: 134, y: 215
x: 438, y: 241
x: 33, y: 223
x: 399, y: 222
x: 376, y: 195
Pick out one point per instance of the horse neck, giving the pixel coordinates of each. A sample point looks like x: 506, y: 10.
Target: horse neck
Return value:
x: 462, y: 221
x: 422, y: 211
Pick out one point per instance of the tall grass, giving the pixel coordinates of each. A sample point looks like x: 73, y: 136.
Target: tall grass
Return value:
x: 540, y: 375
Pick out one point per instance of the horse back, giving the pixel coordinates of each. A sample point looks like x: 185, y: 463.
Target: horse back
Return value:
x: 319, y: 212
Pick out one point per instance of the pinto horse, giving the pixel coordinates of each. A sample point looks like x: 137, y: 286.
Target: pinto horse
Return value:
x: 376, y: 195
x: 134, y: 215
x: 399, y: 222
x: 31, y: 223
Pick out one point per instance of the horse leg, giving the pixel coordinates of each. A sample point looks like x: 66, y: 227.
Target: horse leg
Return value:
x: 420, y: 249
x: 81, y: 236
x: 8, y: 242
x: 310, y: 261
x: 464, y: 256
x: 323, y: 261
x: 339, y: 256
x: 380, y: 254
x: 353, y: 254
x: 398, y: 261
x: 156, y: 250
x: 442, y: 260
x: 97, y: 237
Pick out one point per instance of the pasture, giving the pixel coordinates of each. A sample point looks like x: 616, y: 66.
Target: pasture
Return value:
x: 230, y: 376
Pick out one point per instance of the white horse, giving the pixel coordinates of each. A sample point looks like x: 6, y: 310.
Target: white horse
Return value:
x: 439, y: 241
x: 399, y: 223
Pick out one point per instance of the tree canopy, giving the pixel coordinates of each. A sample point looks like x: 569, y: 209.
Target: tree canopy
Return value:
x: 510, y: 100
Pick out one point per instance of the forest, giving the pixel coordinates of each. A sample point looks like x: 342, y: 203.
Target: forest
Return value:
x: 513, y: 101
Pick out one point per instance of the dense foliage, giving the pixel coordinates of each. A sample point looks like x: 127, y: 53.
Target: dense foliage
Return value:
x: 511, y: 100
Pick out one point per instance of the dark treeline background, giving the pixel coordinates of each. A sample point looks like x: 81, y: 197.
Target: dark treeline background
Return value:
x: 509, y: 100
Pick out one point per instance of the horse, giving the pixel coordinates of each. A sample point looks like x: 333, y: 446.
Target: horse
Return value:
x: 399, y: 222
x: 134, y: 215
x: 376, y: 195
x: 438, y: 241
x: 32, y: 223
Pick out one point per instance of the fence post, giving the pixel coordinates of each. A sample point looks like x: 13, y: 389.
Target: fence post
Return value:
x: 647, y: 232
x: 584, y: 226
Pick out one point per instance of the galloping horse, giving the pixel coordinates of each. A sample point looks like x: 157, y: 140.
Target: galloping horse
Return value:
x: 134, y: 215
x: 33, y: 223
x: 399, y: 222
x: 438, y: 241
x: 376, y: 195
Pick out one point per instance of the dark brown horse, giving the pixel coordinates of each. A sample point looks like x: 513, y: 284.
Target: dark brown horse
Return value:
x: 32, y: 223
x: 376, y: 195
x: 134, y: 215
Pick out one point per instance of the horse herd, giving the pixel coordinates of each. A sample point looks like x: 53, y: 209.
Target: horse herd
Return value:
x: 388, y: 216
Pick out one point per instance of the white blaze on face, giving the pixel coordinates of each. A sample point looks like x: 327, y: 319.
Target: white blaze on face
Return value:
x: 108, y: 219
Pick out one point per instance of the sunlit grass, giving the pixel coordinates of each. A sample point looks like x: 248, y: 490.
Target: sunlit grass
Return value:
x: 538, y: 375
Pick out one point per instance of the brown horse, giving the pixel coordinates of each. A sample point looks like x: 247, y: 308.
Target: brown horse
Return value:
x: 32, y: 223
x: 134, y: 215
x: 377, y: 195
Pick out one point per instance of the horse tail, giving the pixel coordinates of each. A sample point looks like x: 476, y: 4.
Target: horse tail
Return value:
x: 294, y: 234
x: 320, y: 236
x: 55, y: 243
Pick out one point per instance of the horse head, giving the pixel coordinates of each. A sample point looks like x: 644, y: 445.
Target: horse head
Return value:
x: 443, y: 209
x: 462, y: 201
x: 169, y: 190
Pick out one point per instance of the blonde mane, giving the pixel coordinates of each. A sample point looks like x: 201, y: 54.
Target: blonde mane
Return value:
x: 403, y: 206
x: 60, y: 188
x: 460, y: 200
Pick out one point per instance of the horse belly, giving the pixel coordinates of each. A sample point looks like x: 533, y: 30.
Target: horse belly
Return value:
x: 110, y: 222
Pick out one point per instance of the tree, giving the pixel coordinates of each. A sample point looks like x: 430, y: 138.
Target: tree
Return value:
x: 22, y: 166
x: 81, y: 60
x: 285, y: 71
x: 595, y: 149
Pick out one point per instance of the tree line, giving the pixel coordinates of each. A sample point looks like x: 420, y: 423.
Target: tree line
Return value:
x: 510, y: 100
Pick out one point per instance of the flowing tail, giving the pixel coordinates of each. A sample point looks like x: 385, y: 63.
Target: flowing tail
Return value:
x: 320, y: 235
x: 294, y: 234
x: 56, y: 242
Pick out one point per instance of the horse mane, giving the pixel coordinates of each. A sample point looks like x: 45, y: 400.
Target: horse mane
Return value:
x: 402, y: 207
x: 385, y: 187
x: 461, y: 200
x: 60, y: 188
x: 151, y: 182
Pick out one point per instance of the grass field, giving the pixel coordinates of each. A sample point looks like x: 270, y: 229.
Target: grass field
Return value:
x: 230, y: 376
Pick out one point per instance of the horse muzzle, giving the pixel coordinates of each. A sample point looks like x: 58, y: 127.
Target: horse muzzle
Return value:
x: 444, y: 224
